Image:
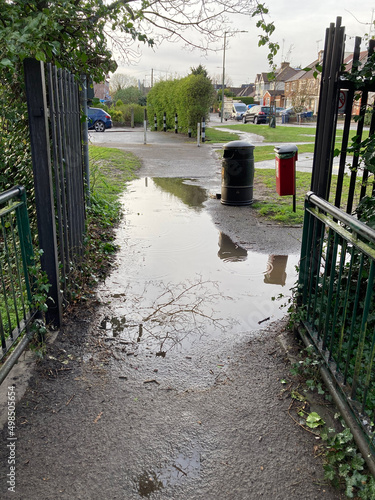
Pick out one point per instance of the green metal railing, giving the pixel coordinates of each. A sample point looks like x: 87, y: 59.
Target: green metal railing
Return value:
x: 16, y: 257
x: 337, y: 303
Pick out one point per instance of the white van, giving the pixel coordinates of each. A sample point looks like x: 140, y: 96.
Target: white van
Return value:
x: 239, y: 108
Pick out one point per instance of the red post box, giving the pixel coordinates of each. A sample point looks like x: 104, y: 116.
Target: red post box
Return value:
x: 286, y: 157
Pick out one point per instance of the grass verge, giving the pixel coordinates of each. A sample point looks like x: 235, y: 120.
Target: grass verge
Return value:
x: 280, y: 208
x: 284, y: 134
x: 215, y: 135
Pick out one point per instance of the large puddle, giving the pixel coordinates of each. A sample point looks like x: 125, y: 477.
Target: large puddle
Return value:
x: 179, y: 281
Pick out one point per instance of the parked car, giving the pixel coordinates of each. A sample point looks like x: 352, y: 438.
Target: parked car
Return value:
x: 303, y: 114
x: 239, y: 108
x: 257, y: 114
x: 292, y: 112
x: 98, y: 119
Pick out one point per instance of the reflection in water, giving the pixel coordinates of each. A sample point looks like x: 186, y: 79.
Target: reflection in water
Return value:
x: 147, y: 483
x: 184, y: 466
x: 193, y: 196
x: 169, y: 319
x: 230, y: 251
x: 173, y: 285
x: 277, y: 270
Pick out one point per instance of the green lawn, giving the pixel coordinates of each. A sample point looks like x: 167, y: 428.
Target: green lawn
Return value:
x: 280, y: 133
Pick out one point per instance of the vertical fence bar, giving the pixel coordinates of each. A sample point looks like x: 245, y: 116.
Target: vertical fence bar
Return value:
x: 361, y: 343
x: 39, y: 135
x: 346, y: 131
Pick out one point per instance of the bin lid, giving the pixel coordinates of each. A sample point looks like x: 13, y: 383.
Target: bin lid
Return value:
x: 286, y: 148
x: 238, y: 145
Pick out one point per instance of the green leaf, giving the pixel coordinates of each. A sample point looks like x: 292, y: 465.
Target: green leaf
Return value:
x: 314, y: 420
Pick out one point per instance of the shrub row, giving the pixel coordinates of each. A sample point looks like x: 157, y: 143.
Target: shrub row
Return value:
x: 190, y: 97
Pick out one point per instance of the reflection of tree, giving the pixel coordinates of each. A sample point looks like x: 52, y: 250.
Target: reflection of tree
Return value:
x: 191, y: 195
x: 176, y: 312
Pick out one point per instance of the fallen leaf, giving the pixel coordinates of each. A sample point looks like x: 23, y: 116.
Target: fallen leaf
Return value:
x: 98, y: 417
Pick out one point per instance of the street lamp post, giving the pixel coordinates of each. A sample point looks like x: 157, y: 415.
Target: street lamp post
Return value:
x: 222, y: 85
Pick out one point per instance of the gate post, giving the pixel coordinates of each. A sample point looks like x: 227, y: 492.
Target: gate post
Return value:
x: 40, y: 150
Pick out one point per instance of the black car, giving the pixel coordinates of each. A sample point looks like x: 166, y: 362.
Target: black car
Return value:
x: 257, y: 114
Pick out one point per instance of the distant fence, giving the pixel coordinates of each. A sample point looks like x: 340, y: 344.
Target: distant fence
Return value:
x: 16, y: 257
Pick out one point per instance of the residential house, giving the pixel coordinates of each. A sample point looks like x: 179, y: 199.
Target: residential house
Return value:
x: 302, y: 89
x: 348, y: 62
x: 101, y: 90
x: 268, y: 87
x: 274, y: 97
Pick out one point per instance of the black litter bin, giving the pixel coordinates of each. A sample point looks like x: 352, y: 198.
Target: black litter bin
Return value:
x: 237, y: 173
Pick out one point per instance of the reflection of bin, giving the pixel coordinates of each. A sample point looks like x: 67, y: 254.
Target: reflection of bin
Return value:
x: 286, y: 157
x: 237, y: 173
x: 230, y: 251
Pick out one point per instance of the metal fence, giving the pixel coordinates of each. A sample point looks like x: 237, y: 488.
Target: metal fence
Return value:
x: 58, y: 168
x: 337, y: 303
x: 16, y: 257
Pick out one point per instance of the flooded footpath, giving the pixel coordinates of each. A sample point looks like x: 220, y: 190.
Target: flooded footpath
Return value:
x: 181, y: 284
x: 168, y: 385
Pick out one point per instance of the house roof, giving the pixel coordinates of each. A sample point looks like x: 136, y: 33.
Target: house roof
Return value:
x: 274, y: 93
x: 305, y: 75
x: 246, y: 91
x: 282, y: 74
x: 285, y: 73
x: 348, y: 61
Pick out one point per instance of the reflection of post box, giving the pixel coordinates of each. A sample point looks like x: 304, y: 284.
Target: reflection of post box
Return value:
x: 276, y: 274
x: 286, y: 157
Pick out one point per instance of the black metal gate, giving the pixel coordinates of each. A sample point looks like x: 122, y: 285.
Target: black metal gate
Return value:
x: 56, y: 145
x: 337, y: 269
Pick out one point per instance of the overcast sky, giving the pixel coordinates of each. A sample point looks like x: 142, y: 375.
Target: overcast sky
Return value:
x: 300, y: 31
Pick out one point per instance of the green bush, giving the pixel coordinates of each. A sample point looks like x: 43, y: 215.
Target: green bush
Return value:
x: 122, y: 114
x: 116, y: 115
x: 190, y: 97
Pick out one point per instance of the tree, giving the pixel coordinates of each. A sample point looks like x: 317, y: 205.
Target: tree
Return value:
x: 200, y: 70
x: 129, y: 95
x: 120, y: 81
x: 82, y: 35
